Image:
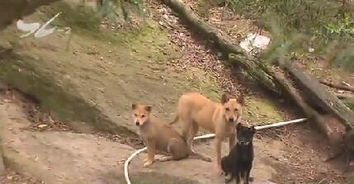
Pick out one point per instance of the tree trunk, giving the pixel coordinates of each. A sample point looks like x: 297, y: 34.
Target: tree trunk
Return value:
x: 327, y: 124
x: 349, y: 141
x: 318, y: 95
x: 220, y: 40
x: 256, y: 72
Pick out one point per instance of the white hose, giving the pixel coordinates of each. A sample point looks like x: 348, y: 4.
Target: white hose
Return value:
x: 206, y: 136
x: 126, y: 164
x: 279, y: 124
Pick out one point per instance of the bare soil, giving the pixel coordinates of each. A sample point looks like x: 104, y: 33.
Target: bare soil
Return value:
x: 11, y: 177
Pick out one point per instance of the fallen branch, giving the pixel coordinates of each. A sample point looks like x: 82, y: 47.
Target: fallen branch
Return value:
x: 320, y: 96
x: 327, y: 124
x: 260, y: 73
x: 222, y: 41
x: 338, y: 86
x: 206, y: 136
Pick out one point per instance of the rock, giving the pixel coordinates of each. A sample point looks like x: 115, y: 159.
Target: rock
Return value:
x: 69, y: 98
x: 58, y: 157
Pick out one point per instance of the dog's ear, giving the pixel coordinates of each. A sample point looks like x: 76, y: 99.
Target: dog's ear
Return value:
x: 238, y: 126
x: 134, y: 106
x: 241, y: 99
x: 148, y: 108
x: 224, y: 98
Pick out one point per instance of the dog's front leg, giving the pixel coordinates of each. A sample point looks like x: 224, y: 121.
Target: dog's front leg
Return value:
x: 247, y: 177
x: 227, y: 180
x: 238, y: 179
x: 218, y: 141
x: 239, y: 117
x: 232, y: 138
x: 247, y: 174
x: 151, y: 149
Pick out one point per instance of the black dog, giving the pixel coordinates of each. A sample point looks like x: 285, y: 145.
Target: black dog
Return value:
x: 239, y: 161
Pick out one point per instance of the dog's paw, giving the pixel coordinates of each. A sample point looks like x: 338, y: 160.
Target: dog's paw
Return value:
x: 227, y: 178
x: 207, y: 159
x: 165, y: 158
x: 148, y: 163
x: 219, y: 171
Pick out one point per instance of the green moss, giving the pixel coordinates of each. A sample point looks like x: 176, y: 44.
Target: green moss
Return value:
x: 149, y: 43
x: 261, y: 111
x: 204, y: 83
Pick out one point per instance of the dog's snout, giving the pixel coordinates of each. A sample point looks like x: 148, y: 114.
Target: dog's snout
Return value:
x: 137, y: 123
x: 231, y: 119
x: 243, y: 142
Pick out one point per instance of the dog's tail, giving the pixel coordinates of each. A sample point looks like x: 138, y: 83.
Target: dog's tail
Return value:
x: 174, y: 121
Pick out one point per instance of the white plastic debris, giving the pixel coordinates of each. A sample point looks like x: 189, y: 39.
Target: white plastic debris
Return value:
x: 35, y: 28
x: 45, y: 32
x: 27, y: 27
x: 311, y: 50
x: 253, y: 41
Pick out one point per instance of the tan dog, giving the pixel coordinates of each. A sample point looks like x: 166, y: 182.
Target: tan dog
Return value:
x: 195, y: 110
x: 158, y: 136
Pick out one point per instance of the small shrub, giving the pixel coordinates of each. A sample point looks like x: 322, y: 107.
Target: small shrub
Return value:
x: 77, y: 17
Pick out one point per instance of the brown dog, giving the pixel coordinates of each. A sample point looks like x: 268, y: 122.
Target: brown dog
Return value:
x: 195, y: 110
x: 158, y: 136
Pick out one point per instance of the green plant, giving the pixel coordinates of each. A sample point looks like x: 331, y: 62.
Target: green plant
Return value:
x: 344, y: 27
x: 297, y: 25
x: 306, y: 16
x: 345, y: 57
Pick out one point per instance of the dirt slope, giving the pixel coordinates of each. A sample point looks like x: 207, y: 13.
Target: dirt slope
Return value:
x: 57, y: 157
